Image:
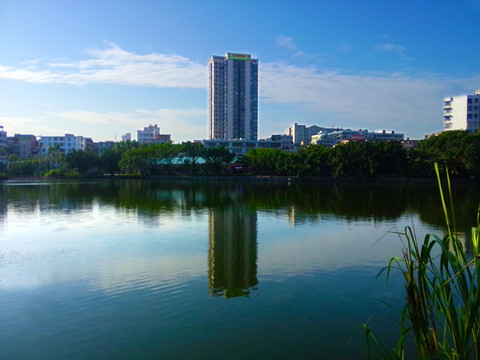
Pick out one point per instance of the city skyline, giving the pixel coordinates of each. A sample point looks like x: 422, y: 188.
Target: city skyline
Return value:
x: 102, y: 69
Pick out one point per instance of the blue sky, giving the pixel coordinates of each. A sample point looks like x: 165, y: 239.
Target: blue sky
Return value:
x: 101, y: 68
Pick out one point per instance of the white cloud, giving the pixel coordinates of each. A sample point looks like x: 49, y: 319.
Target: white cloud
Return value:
x: 373, y: 100
x: 114, y: 65
x: 392, y: 101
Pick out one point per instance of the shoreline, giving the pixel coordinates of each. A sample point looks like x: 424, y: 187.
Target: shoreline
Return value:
x: 251, y: 178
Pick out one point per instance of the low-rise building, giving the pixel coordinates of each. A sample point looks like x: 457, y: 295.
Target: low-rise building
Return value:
x: 331, y: 138
x: 101, y: 146
x: 3, y: 138
x: 302, y: 134
x: 286, y: 141
x: 64, y: 144
x: 23, y: 146
x: 151, y: 134
x: 241, y: 146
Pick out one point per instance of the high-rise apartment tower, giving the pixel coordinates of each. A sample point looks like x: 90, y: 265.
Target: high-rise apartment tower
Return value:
x: 233, y: 97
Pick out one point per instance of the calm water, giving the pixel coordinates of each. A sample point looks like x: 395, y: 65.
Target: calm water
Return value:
x: 155, y: 270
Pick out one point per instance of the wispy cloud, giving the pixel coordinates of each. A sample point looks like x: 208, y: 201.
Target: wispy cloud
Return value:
x: 392, y: 48
x: 114, y: 65
x: 285, y: 42
x: 393, y: 101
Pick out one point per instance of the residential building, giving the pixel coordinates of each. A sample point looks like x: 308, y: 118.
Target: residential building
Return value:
x: 23, y: 146
x: 302, y: 134
x: 410, y: 144
x: 101, y: 146
x: 286, y: 141
x: 64, y: 144
x: 127, y: 137
x: 331, y: 138
x: 3, y: 138
x: 3, y: 146
x: 233, y: 97
x: 462, y: 112
x: 151, y: 134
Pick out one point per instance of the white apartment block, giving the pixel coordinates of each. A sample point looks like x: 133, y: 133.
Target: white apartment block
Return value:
x: 151, y: 134
x: 462, y: 112
x: 302, y: 134
x: 147, y: 135
x: 331, y: 138
x: 65, y: 144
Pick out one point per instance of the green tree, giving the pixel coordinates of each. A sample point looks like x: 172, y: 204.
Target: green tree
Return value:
x: 108, y: 161
x: 216, y: 159
x: 459, y: 150
x: 83, y: 161
x: 313, y: 160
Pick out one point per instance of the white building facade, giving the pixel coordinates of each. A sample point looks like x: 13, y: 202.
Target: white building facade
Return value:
x: 302, y: 134
x: 151, y: 134
x: 65, y: 144
x: 331, y: 138
x: 462, y: 112
x: 233, y: 97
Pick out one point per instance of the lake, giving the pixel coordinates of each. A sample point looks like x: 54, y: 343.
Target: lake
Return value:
x: 205, y: 270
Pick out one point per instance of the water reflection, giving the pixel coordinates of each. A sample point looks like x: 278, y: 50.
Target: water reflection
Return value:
x: 232, y: 255
x: 302, y: 203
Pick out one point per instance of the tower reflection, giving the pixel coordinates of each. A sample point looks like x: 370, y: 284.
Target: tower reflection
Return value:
x: 232, y: 257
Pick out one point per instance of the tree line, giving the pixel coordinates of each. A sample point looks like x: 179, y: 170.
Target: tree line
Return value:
x: 457, y: 150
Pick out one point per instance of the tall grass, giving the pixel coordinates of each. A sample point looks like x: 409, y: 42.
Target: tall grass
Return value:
x: 442, y: 311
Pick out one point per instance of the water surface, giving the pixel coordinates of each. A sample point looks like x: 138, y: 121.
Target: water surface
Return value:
x: 180, y: 270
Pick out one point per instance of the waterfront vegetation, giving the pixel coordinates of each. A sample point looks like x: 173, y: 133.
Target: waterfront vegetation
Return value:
x: 458, y: 150
x: 442, y: 284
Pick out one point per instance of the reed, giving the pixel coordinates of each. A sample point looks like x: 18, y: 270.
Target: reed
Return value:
x: 442, y: 311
